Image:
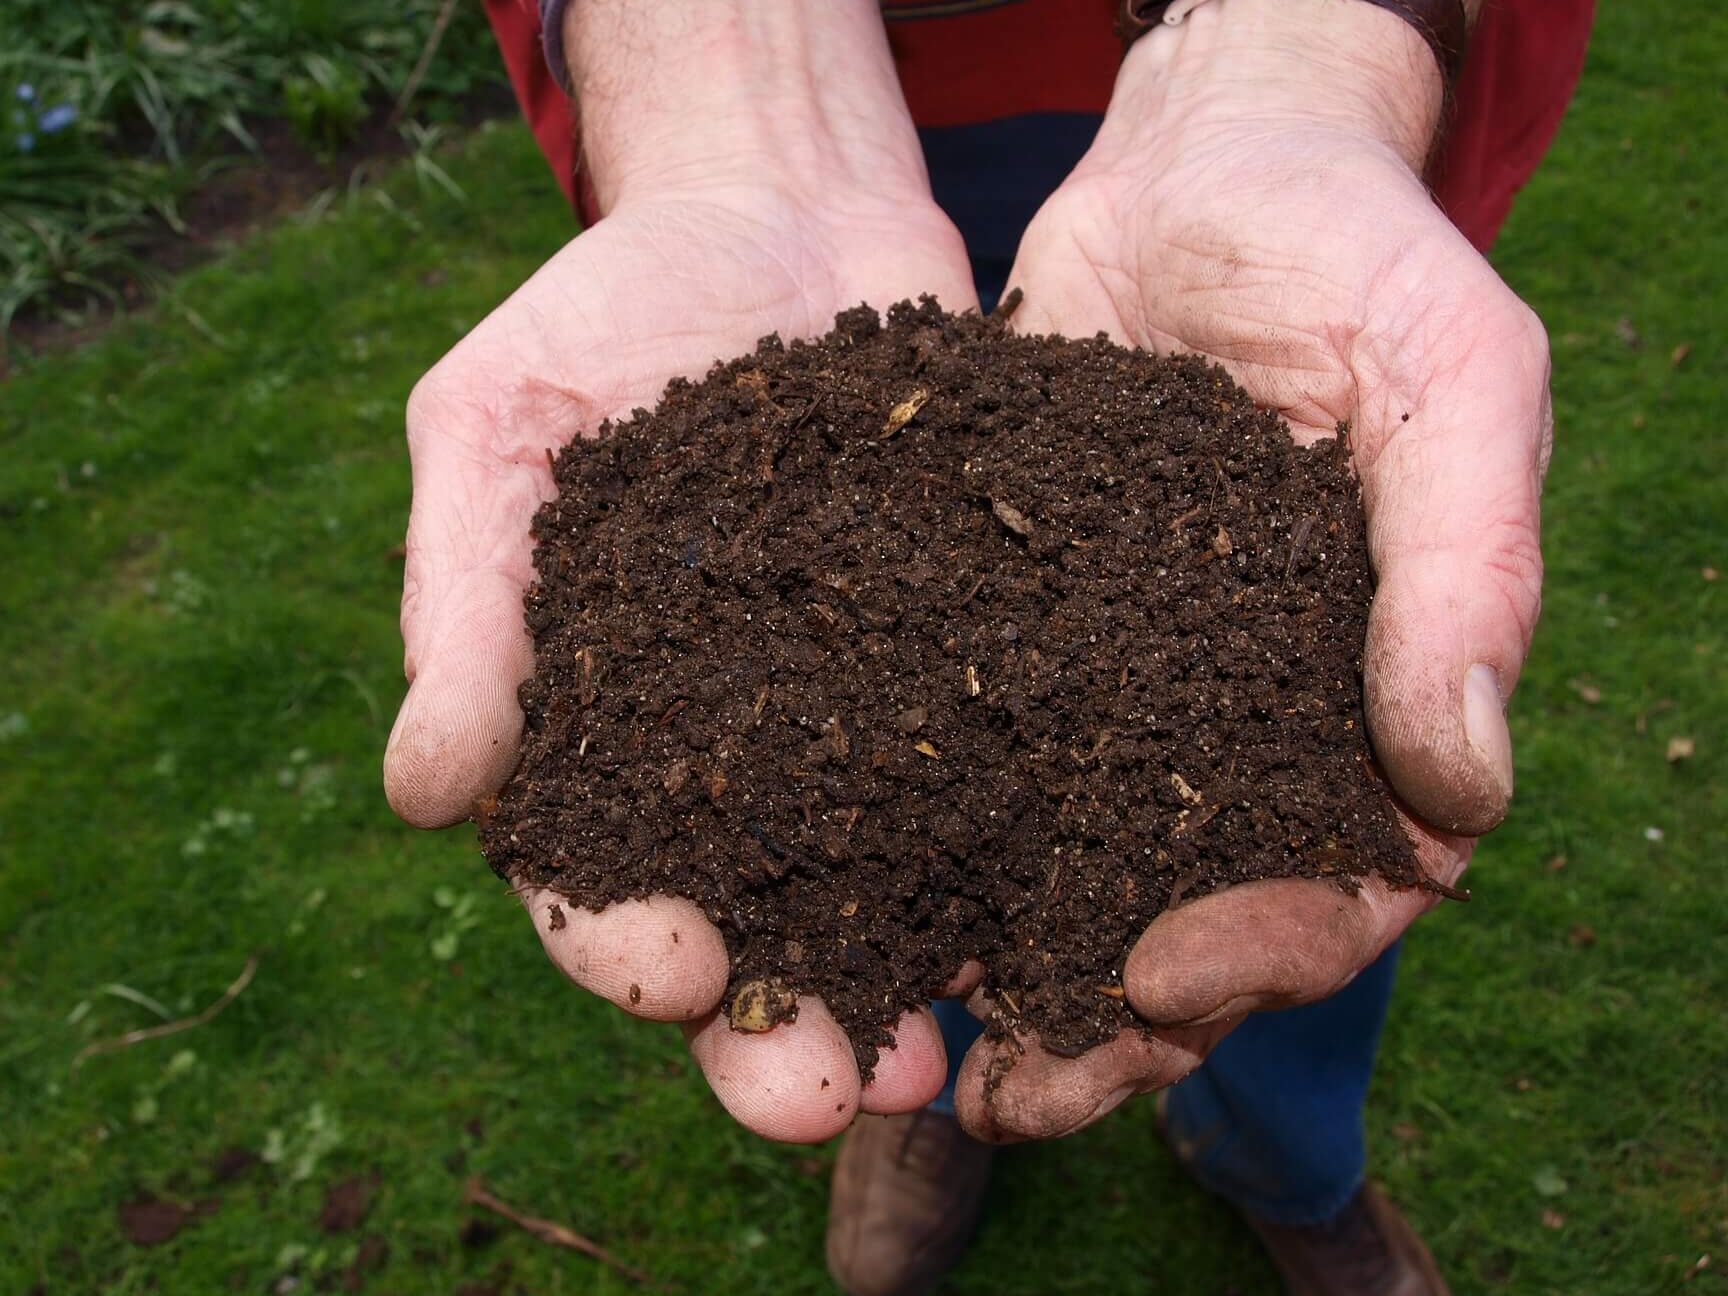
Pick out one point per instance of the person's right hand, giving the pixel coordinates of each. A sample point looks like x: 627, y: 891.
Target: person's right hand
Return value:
x: 726, y: 220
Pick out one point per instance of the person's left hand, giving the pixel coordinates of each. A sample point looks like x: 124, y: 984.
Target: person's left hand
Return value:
x: 1254, y: 197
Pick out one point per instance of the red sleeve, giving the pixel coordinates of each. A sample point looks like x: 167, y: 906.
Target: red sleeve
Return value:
x: 978, y: 60
x: 1024, y: 56
x: 516, y: 24
x: 1525, y: 59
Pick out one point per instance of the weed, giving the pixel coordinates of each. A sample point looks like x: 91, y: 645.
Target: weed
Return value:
x: 109, y: 115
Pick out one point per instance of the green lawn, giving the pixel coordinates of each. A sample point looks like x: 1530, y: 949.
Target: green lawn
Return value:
x: 198, y: 666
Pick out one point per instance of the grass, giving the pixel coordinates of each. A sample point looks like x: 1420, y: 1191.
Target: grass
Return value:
x: 198, y: 664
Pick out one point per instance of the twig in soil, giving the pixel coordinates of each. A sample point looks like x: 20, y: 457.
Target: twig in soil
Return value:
x: 1298, y: 539
x: 1182, y: 520
x: 779, y: 852
x: 1183, y: 882
x: 1008, y: 305
x: 806, y: 416
x: 553, y: 1234
x: 1185, y: 825
x: 671, y: 714
x: 1440, y: 888
x: 130, y: 1038
x: 1223, y: 480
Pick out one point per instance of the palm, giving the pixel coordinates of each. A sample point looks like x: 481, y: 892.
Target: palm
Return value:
x: 1325, y: 280
x: 653, y: 292
x: 1315, y: 268
x: 646, y: 296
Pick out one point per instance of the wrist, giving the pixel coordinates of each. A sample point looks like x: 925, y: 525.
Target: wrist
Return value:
x: 783, y: 95
x: 1272, y: 65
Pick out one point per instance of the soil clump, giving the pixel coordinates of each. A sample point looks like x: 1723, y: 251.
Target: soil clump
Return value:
x: 927, y: 642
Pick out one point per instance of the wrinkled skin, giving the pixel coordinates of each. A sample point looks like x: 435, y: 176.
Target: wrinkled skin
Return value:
x: 1305, y: 257
x: 1313, y: 265
x: 657, y: 290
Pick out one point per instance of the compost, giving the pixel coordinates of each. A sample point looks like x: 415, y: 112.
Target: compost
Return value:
x: 926, y: 642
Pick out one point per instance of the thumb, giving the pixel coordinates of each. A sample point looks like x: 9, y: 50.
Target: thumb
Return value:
x: 1452, y: 494
x: 469, y: 559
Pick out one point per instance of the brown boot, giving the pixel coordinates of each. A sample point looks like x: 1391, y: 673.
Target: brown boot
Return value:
x: 904, y: 1204
x: 1368, y: 1249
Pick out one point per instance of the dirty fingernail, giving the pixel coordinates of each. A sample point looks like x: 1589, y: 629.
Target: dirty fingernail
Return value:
x: 1485, y: 724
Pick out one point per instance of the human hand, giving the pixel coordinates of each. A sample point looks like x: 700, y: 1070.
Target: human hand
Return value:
x: 1254, y: 196
x: 737, y: 205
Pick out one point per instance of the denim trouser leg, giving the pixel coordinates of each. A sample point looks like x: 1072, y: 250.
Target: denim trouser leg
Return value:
x: 959, y: 1029
x: 1272, y: 1122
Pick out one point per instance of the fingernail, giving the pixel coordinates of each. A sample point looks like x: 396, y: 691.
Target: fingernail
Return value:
x: 1485, y: 724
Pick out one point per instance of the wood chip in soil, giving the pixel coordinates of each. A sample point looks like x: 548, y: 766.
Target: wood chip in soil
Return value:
x: 1083, y: 633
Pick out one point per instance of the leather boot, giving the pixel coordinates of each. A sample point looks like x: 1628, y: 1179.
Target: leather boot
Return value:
x: 1367, y: 1249
x: 904, y: 1204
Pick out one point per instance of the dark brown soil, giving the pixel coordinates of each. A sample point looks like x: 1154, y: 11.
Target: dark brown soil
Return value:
x: 151, y: 1222
x: 926, y: 642
x: 243, y: 193
x: 346, y: 1204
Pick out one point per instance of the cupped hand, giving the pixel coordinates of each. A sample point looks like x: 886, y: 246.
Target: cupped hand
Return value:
x: 1294, y: 242
x: 662, y: 287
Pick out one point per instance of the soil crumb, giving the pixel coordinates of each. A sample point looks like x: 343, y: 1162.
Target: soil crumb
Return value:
x: 926, y: 642
x: 150, y: 1221
x: 346, y: 1204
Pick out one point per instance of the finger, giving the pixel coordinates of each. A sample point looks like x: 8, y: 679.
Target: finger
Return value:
x: 1038, y: 1095
x: 1273, y: 944
x: 909, y: 1073
x: 455, y: 737
x: 965, y: 981
x: 469, y: 558
x: 1452, y: 484
x: 658, y: 958
x: 796, y: 1083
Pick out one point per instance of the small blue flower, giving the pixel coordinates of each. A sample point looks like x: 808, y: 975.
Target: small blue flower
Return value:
x: 26, y: 93
x: 56, y: 119
x: 26, y: 143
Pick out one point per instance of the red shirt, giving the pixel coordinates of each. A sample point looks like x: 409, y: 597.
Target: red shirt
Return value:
x: 1026, y: 56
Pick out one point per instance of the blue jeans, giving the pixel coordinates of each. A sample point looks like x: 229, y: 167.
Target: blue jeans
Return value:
x: 1272, y: 1122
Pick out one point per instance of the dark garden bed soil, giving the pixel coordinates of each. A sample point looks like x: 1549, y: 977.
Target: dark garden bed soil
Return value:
x: 926, y: 642
x: 243, y: 193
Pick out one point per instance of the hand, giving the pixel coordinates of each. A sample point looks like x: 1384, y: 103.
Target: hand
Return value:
x: 731, y: 214
x: 1254, y: 197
